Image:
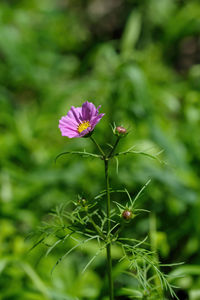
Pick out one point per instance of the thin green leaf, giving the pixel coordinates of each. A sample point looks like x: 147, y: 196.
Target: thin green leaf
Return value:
x: 129, y: 151
x: 36, y: 244
x: 81, y: 153
x: 70, y: 250
x: 142, y: 189
x: 129, y: 196
x: 103, y: 193
x: 93, y: 258
x: 117, y: 165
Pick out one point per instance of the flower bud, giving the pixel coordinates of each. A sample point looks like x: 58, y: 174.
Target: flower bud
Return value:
x: 127, y: 214
x: 121, y: 129
x: 82, y: 202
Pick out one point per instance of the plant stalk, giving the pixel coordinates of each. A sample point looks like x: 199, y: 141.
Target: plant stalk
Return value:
x: 153, y: 244
x: 115, y: 145
x: 96, y: 227
x: 108, y: 247
x: 98, y: 146
x: 106, y: 159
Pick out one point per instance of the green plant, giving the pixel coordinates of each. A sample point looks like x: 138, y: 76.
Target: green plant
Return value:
x: 85, y: 220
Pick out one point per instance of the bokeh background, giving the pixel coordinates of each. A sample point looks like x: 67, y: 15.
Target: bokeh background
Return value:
x: 141, y: 61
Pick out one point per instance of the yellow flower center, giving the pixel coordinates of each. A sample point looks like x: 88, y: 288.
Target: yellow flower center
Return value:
x: 83, y: 126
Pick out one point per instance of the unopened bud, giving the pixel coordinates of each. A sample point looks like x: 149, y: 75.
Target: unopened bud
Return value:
x: 82, y: 202
x: 120, y: 131
x: 127, y: 214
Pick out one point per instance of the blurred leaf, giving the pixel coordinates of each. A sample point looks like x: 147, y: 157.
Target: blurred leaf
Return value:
x: 35, y: 278
x: 131, y: 33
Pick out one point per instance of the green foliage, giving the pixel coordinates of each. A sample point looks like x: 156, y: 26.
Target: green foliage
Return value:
x: 86, y: 222
x: 140, y: 61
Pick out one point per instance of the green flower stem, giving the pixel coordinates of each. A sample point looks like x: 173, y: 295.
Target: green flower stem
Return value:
x: 114, y: 147
x: 108, y: 247
x: 154, y: 250
x: 98, y: 146
x: 96, y: 227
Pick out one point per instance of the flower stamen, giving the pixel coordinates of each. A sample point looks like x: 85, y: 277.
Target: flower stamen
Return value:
x: 82, y: 126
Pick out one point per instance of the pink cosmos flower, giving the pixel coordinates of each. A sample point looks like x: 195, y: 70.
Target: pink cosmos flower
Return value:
x: 80, y: 121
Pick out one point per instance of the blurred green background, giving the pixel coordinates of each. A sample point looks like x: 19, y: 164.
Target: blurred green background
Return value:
x: 141, y: 61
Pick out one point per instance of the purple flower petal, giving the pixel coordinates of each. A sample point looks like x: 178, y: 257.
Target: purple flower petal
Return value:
x: 88, y: 110
x: 71, y: 124
x: 96, y: 120
x: 74, y: 114
x: 66, y: 121
x: 69, y: 133
x: 98, y: 109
